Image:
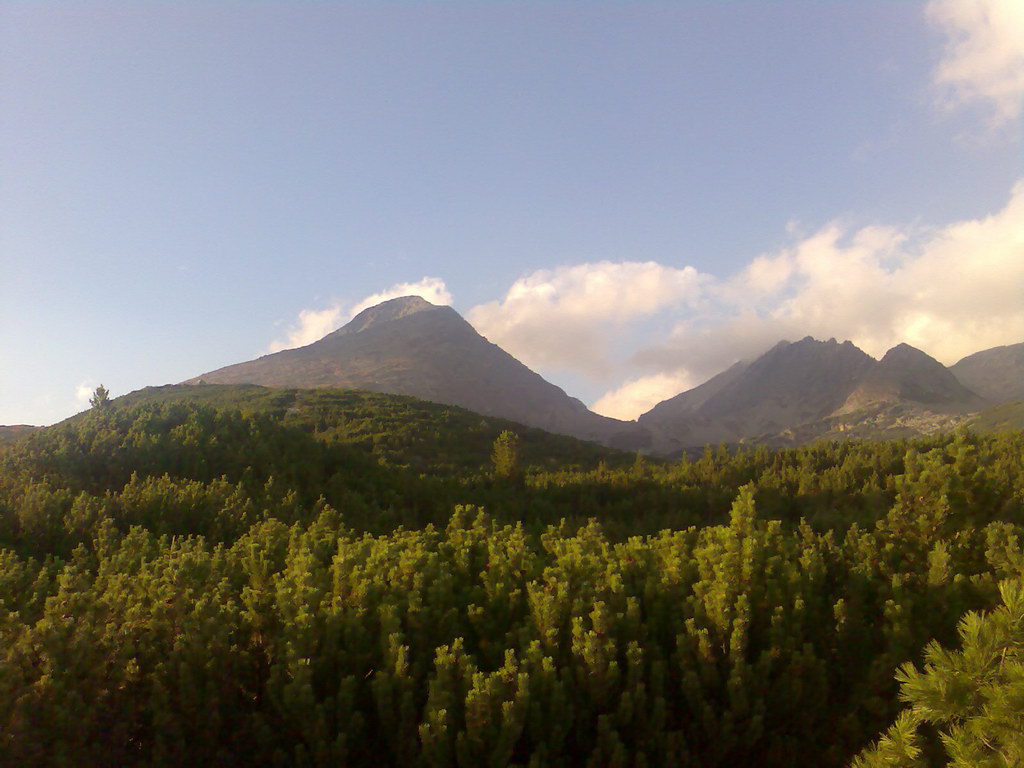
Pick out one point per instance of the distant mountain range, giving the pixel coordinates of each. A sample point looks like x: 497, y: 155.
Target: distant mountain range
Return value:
x: 794, y: 393
x: 808, y: 390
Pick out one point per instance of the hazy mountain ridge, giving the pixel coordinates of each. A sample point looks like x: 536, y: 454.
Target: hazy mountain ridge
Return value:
x: 996, y: 374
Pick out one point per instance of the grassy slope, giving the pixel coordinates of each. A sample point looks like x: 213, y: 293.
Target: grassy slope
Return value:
x: 999, y: 418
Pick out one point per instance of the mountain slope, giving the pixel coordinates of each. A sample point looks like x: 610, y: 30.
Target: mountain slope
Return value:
x: 408, y: 346
x: 689, y: 402
x: 996, y: 374
x: 1005, y: 417
x: 8, y: 434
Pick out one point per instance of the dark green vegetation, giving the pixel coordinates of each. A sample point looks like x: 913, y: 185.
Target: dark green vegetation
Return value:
x: 241, y: 576
x: 399, y: 431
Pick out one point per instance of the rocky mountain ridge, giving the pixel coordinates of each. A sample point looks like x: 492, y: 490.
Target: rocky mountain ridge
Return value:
x: 792, y: 383
x: 808, y: 390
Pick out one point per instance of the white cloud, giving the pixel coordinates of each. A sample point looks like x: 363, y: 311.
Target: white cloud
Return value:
x: 564, y: 317
x: 950, y: 291
x: 82, y: 394
x: 702, y: 347
x: 313, y: 324
x: 965, y: 292
x: 983, y: 60
x: 637, y: 396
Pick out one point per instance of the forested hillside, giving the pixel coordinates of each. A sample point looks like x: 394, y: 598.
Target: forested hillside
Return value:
x: 242, y: 576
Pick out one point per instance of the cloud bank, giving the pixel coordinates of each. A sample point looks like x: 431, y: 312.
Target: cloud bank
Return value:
x: 566, y: 317
x: 983, y: 61
x: 950, y: 291
x: 313, y: 324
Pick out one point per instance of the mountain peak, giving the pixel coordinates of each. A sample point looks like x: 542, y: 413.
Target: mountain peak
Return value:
x: 408, y: 346
x: 808, y: 387
x: 386, y: 311
x: 903, y: 353
x: 791, y: 383
x: 809, y: 350
x: 809, y: 342
x: 906, y: 373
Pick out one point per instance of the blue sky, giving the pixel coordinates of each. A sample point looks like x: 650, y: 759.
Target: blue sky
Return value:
x: 627, y: 196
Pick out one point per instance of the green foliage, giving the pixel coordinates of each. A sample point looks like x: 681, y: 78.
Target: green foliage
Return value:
x: 399, y: 431
x: 972, y: 698
x: 9, y: 434
x: 242, y: 576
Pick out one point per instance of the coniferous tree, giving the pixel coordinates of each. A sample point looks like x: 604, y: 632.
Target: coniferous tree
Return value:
x: 505, y: 456
x: 100, y: 397
x: 973, y: 698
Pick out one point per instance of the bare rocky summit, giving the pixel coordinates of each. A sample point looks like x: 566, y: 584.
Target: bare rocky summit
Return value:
x: 408, y: 346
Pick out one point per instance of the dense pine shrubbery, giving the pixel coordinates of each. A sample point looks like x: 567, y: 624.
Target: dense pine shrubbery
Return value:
x: 263, y: 579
